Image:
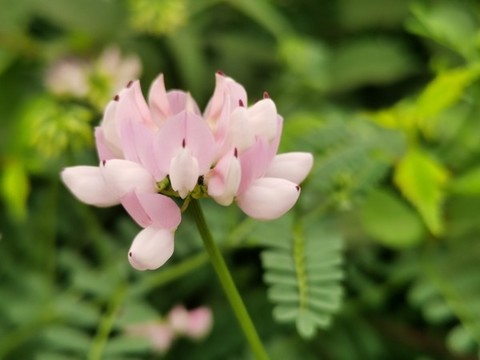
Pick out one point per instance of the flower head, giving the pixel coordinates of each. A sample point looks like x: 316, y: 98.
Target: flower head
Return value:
x: 152, y: 151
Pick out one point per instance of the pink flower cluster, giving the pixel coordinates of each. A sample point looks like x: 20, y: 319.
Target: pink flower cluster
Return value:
x: 166, y: 148
x: 194, y: 324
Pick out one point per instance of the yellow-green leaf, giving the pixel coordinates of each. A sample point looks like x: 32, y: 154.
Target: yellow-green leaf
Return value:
x: 445, y: 90
x: 15, y: 188
x: 422, y: 181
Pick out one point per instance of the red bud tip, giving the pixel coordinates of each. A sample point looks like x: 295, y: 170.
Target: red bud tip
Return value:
x: 235, y: 152
x: 297, y: 187
x: 116, y: 98
x: 104, y: 162
x: 184, y: 143
x: 220, y: 72
x: 130, y: 254
x: 240, y: 103
x: 129, y: 83
x: 266, y: 95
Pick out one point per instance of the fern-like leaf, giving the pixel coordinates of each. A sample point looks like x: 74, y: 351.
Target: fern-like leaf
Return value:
x: 303, y: 270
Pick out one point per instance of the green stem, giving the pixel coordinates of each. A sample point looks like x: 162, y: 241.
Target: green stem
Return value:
x: 228, y: 285
x: 106, y: 324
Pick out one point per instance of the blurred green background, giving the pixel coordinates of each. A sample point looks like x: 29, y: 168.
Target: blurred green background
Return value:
x: 380, y: 259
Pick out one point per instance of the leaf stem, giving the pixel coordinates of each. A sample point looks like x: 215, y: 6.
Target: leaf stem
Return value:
x: 227, y: 283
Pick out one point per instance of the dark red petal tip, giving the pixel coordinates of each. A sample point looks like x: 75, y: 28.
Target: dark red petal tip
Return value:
x: 116, y: 98
x: 220, y: 72
x: 129, y: 83
x: 266, y: 95
x: 235, y: 152
x: 184, y: 143
x: 130, y: 254
x: 297, y: 187
x: 240, y: 103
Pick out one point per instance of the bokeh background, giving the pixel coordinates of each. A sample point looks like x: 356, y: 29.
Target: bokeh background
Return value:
x: 380, y: 259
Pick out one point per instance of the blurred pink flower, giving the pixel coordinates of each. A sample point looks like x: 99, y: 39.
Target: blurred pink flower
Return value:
x: 152, y: 151
x: 195, y: 324
x: 160, y: 335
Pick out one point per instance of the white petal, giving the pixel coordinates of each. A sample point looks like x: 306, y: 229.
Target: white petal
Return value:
x: 151, y: 248
x: 263, y: 118
x: 88, y: 185
x: 123, y: 176
x: 224, y: 180
x: 293, y: 166
x: 183, y: 172
x: 268, y: 198
x: 240, y: 133
x: 109, y: 126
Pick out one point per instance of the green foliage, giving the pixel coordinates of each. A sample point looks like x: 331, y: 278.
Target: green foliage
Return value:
x: 422, y: 181
x: 302, y: 269
x: 390, y: 221
x: 383, y: 244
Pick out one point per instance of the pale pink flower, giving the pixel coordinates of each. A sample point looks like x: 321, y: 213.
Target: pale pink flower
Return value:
x: 248, y: 139
x: 150, y: 151
x: 160, y: 334
x: 195, y: 324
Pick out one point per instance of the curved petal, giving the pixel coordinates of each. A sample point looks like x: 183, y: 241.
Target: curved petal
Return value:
x: 185, y: 130
x: 123, y: 176
x: 110, y: 131
x: 254, y: 162
x: 184, y: 172
x: 227, y: 92
x: 158, y: 101
x: 223, y: 181
x: 240, y: 133
x: 292, y: 166
x: 152, y: 209
x: 262, y: 117
x: 151, y: 248
x: 268, y: 198
x: 182, y: 101
x: 103, y: 150
x: 88, y: 185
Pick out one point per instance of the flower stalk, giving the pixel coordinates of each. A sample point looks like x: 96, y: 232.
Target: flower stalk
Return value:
x: 228, y: 284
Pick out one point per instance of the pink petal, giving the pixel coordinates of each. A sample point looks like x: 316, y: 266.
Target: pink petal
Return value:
x: 123, y: 176
x: 189, y: 129
x: 263, y: 118
x: 178, y: 319
x: 151, y: 248
x: 200, y: 321
x: 162, y: 337
x: 182, y: 101
x: 184, y: 172
x: 103, y: 150
x: 110, y: 131
x: 88, y: 185
x: 223, y: 181
x: 268, y: 198
x: 158, y: 101
x: 132, y: 205
x: 254, y: 163
x: 152, y: 209
x: 240, y: 134
x: 292, y: 166
x: 227, y: 93
x: 140, y: 104
x: 137, y: 143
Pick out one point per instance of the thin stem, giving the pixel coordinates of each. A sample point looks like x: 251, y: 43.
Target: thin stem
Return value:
x: 228, y: 285
x: 106, y: 324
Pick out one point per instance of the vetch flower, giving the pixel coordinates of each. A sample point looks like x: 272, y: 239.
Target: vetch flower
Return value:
x: 151, y: 152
